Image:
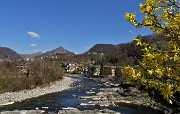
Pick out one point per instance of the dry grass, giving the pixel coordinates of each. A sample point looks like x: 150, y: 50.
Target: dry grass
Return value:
x: 41, y: 73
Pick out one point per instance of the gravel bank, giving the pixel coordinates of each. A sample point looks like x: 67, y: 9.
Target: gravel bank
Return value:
x: 64, y: 111
x: 11, y: 97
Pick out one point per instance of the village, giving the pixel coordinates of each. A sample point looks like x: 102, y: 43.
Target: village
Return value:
x: 93, y: 70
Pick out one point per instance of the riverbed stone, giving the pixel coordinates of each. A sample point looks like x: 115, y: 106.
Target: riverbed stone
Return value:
x: 95, y: 111
x: 11, y: 97
x: 111, y: 96
x: 23, y: 112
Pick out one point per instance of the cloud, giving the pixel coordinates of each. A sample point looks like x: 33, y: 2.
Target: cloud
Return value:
x: 130, y: 31
x: 33, y: 45
x: 33, y: 34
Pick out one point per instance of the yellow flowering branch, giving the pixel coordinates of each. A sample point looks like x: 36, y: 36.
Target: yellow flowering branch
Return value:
x: 158, y: 69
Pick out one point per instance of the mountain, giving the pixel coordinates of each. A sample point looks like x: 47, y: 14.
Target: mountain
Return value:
x: 25, y: 56
x: 102, y: 48
x: 56, y: 51
x: 8, y: 54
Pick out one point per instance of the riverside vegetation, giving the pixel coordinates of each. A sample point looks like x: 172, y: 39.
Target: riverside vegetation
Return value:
x: 41, y: 73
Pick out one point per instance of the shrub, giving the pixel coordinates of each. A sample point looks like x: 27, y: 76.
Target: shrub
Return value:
x: 159, y: 69
x: 41, y: 72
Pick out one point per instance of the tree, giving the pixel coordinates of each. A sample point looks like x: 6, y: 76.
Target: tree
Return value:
x: 158, y: 69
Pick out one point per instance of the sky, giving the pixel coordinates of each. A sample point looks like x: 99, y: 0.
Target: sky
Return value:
x: 28, y: 26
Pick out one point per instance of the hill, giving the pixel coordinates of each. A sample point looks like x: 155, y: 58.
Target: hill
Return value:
x: 121, y: 54
x: 25, y: 56
x: 59, y: 50
x: 130, y: 54
x: 8, y: 54
x: 102, y: 48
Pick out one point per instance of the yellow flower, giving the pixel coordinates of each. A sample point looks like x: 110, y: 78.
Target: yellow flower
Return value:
x: 148, y: 8
x: 129, y: 71
x: 142, y: 10
x: 176, y: 58
x: 149, y: 1
x: 170, y: 101
x: 171, y: 45
x: 157, y: 1
x: 150, y: 72
x: 164, y: 16
x: 138, y: 41
x: 159, y: 72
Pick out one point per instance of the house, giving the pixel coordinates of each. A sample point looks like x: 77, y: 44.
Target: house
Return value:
x: 108, y: 71
x: 96, y: 70
x: 70, y: 68
x: 111, y: 70
x: 74, y: 68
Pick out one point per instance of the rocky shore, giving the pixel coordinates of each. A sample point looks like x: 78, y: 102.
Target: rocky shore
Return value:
x: 110, y: 95
x: 11, y: 97
x: 63, y: 111
x: 117, y: 95
x: 95, y: 111
x: 114, y: 94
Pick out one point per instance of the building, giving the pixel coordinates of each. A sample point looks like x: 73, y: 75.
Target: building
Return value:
x: 111, y: 70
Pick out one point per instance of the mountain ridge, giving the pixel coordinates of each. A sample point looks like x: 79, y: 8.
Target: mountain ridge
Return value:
x: 102, y: 48
x: 25, y: 56
x: 59, y: 50
x: 8, y: 54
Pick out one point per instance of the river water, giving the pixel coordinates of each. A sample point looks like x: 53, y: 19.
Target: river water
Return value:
x: 70, y: 98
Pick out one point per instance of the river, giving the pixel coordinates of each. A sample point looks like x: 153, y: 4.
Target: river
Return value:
x: 70, y: 98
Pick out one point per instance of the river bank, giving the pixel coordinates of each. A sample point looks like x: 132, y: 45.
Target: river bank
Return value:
x: 64, y: 111
x: 117, y: 94
x: 77, y: 100
x: 11, y: 97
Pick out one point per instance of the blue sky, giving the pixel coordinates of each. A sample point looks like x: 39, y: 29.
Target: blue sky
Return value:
x: 27, y: 26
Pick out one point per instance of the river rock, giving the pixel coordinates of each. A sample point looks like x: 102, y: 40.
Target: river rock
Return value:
x: 90, y: 92
x: 96, y: 111
x: 113, y: 96
x: 23, y: 112
x: 11, y: 97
